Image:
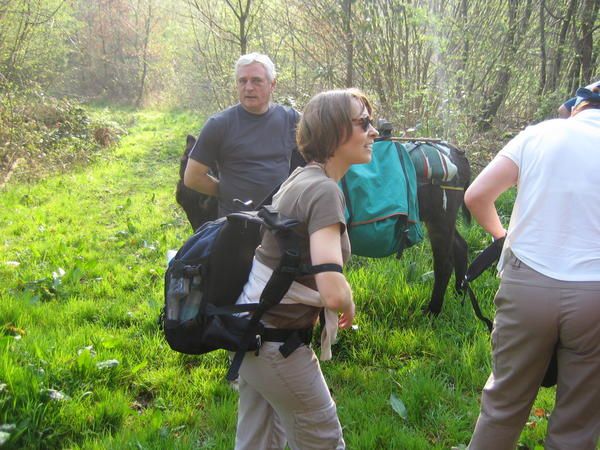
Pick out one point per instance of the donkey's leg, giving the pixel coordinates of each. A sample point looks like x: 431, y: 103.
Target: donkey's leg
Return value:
x: 460, y: 251
x: 189, y: 201
x: 442, y: 238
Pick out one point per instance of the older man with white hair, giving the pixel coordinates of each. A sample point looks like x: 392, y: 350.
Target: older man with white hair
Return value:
x: 251, y: 143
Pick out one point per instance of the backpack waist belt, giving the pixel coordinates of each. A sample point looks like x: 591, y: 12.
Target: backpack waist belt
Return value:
x: 291, y: 338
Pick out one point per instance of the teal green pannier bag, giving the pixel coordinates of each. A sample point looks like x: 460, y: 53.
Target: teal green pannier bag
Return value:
x: 381, y: 202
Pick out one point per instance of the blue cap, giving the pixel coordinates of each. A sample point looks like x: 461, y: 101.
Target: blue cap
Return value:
x: 569, y: 104
x: 587, y: 95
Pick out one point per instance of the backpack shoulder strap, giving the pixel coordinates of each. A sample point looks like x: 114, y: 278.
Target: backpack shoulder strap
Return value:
x: 475, y: 304
x: 485, y: 260
x: 346, y: 192
x: 281, y: 279
x: 403, y: 231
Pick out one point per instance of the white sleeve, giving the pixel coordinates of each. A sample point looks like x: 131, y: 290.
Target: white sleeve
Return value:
x: 514, y: 149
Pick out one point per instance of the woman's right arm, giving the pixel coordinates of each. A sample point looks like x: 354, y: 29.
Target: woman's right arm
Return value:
x: 326, y: 248
x: 497, y: 177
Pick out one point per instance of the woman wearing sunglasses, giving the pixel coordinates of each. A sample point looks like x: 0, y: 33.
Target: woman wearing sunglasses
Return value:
x: 286, y: 399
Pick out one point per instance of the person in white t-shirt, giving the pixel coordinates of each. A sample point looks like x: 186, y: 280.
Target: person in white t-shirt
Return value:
x: 549, y: 294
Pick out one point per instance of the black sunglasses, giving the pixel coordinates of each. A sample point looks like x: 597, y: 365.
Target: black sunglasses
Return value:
x: 364, y: 122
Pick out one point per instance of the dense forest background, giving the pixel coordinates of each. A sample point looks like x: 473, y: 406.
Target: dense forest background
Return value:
x: 470, y: 71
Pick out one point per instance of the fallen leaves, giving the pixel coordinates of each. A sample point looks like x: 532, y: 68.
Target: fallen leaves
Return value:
x: 398, y: 406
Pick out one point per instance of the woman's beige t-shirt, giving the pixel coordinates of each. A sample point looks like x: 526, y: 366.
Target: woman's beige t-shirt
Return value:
x: 316, y: 201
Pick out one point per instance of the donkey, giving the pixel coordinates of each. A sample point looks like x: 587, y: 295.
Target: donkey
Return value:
x: 439, y: 205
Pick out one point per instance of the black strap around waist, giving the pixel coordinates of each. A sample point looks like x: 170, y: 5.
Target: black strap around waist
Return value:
x: 291, y: 338
x: 282, y: 334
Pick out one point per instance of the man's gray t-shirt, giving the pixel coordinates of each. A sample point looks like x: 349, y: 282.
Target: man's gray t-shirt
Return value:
x: 252, y: 152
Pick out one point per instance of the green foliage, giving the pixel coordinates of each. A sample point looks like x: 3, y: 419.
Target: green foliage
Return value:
x: 42, y: 135
x: 83, y: 364
x: 34, y: 40
x: 548, y: 106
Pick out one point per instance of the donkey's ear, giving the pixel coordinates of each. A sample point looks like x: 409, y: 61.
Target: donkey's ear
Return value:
x: 189, y: 143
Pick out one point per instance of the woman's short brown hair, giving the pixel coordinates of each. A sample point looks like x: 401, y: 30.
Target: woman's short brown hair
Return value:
x: 326, y: 123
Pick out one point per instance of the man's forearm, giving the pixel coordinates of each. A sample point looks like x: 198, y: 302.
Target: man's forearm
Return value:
x: 205, y: 184
x: 196, y: 177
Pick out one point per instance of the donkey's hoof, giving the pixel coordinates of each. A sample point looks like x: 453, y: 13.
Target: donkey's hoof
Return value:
x: 427, y: 311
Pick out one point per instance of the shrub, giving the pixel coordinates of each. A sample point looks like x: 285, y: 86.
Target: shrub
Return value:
x: 41, y: 135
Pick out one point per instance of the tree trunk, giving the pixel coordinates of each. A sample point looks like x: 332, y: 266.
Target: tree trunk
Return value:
x: 147, y: 28
x: 557, y: 63
x: 242, y: 15
x: 543, y: 57
x: 589, y: 16
x: 464, y: 18
x: 500, y: 89
x: 243, y: 36
x: 347, y: 20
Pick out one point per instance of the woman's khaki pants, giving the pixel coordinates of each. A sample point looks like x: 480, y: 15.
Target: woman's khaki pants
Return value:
x: 285, y: 399
x: 533, y: 313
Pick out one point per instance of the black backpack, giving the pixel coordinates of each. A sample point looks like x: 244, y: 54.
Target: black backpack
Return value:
x: 208, y: 274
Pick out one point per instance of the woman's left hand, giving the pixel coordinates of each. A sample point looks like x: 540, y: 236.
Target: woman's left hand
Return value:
x: 347, y: 317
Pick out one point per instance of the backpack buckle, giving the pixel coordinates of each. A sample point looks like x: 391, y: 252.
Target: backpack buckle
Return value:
x: 258, y: 339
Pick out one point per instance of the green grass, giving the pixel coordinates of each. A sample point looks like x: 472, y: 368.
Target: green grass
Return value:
x: 81, y: 265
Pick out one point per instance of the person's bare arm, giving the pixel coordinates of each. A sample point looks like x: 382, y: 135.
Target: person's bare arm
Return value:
x: 500, y: 174
x: 563, y: 112
x: 196, y: 177
x: 325, y: 247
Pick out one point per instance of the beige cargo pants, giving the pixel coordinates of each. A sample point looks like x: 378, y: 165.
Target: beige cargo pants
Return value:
x: 533, y: 312
x: 285, y: 400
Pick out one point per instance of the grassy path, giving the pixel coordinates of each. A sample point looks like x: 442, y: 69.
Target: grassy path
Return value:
x: 83, y: 364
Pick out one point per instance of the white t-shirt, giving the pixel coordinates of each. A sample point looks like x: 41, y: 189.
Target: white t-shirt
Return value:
x: 555, y: 223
